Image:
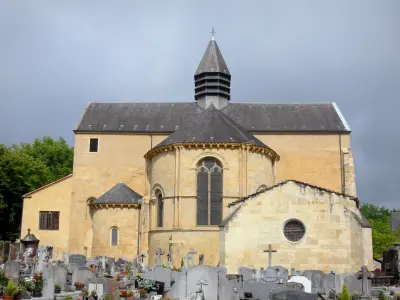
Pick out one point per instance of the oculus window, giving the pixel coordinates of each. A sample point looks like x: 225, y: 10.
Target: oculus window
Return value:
x: 294, y: 230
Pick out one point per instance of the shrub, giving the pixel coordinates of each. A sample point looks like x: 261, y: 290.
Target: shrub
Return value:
x: 11, y: 289
x: 382, y: 295
x: 345, y: 293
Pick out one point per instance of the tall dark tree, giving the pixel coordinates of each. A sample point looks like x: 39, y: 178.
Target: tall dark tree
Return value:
x: 25, y: 168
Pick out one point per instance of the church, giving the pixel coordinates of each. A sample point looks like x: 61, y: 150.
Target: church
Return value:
x: 225, y: 178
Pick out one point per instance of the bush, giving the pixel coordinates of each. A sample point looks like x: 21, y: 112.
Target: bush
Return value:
x: 382, y: 295
x: 345, y: 293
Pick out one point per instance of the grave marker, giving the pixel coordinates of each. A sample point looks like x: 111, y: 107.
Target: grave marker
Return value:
x: 270, y: 251
x: 78, y: 259
x: 159, y: 253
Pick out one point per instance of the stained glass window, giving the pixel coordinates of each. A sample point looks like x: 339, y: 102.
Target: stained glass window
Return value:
x: 114, y: 236
x: 160, y: 209
x: 209, y: 192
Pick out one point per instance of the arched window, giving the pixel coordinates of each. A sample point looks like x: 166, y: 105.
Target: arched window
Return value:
x: 160, y: 208
x: 209, y: 192
x: 114, y: 236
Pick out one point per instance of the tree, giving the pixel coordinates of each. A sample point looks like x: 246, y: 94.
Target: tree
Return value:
x: 25, y: 168
x: 382, y: 235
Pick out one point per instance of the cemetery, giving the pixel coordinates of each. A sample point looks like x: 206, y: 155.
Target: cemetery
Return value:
x: 30, y: 272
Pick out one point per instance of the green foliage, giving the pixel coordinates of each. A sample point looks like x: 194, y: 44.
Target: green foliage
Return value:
x: 3, y: 279
x: 382, y: 235
x: 382, y: 296
x: 24, y: 168
x: 344, y: 295
x: 11, y: 289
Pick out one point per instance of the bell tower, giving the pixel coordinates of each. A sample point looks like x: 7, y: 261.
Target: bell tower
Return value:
x: 212, y: 79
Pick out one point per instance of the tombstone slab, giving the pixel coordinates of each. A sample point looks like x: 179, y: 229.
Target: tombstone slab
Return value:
x: 292, y: 295
x: 11, y: 269
x: 304, y: 281
x: 78, y: 259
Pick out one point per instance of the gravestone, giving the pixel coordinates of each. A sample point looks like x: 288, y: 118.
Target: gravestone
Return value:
x: 13, y: 252
x: 191, y: 253
x: 282, y: 273
x: 246, y: 273
x: 270, y: 275
x: 178, y: 289
x: 82, y: 275
x: 304, y: 281
x: 78, y: 259
x: 11, y: 269
x: 49, y: 279
x: 103, y: 286
x: 160, y: 274
x: 365, y: 278
x: 159, y: 253
x: 210, y: 274
x: 225, y: 288
x: 61, y: 276
x: 317, y: 281
x: 292, y: 295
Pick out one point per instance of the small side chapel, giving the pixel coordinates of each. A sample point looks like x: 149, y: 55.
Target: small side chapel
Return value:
x: 228, y: 179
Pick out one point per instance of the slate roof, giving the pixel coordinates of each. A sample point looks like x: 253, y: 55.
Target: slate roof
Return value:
x: 119, y: 194
x: 254, y: 117
x: 212, y: 60
x: 211, y: 126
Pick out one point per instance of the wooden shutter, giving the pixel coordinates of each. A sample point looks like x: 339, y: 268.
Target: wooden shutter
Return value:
x: 42, y: 220
x: 202, y: 198
x: 216, y: 198
x: 55, y: 220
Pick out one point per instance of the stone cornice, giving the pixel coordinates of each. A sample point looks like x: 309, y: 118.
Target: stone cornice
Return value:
x: 252, y: 148
x: 116, y: 205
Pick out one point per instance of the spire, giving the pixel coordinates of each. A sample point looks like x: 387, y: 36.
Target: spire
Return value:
x: 212, y: 78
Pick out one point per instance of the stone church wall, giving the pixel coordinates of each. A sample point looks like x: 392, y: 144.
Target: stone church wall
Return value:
x: 55, y: 197
x: 120, y: 158
x: 329, y: 242
x: 311, y: 158
x: 126, y: 220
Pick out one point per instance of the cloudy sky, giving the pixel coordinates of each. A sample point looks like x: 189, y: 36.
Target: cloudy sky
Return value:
x: 56, y: 56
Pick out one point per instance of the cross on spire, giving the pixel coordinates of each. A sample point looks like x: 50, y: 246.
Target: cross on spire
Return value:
x: 270, y: 255
x: 213, y: 34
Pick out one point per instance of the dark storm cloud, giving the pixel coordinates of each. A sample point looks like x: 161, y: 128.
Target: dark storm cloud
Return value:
x: 55, y: 57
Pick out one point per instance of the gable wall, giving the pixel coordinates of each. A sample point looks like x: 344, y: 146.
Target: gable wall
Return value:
x: 55, y: 197
x: 329, y: 243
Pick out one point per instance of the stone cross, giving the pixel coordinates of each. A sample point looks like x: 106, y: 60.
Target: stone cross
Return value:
x: 192, y: 252
x: 142, y: 256
x: 159, y: 252
x: 270, y: 255
x: 187, y: 258
x: 202, y: 282
x: 365, y: 276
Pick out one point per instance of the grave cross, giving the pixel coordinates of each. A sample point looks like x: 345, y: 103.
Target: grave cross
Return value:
x: 142, y: 256
x: 169, y: 256
x: 270, y: 254
x: 192, y: 252
x: 202, y: 282
x: 187, y: 258
x: 365, y: 276
x: 159, y: 252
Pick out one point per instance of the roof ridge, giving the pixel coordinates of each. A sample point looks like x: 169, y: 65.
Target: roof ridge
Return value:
x: 281, y: 183
x: 239, y: 129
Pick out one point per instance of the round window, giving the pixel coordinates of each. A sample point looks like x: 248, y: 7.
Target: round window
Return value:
x: 294, y: 230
